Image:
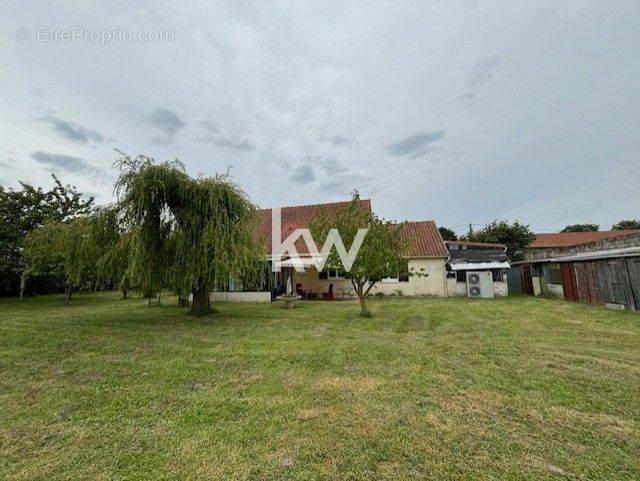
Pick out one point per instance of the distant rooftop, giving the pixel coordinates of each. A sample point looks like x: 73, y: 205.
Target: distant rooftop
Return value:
x: 487, y: 245
x: 568, y: 239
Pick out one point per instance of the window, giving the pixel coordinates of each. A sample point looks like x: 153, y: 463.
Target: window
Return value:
x: 461, y: 276
x: 333, y: 274
x: 388, y: 280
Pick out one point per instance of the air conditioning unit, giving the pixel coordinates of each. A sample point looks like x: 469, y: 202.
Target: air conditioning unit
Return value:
x: 480, y: 284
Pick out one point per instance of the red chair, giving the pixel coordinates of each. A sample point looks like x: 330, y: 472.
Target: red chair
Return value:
x: 328, y: 296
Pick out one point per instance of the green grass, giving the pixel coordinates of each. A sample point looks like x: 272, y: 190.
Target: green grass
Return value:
x: 428, y: 388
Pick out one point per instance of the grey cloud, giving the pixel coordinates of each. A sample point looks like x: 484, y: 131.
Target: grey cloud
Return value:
x: 344, y: 183
x: 229, y: 143
x: 328, y: 164
x: 332, y: 166
x: 168, y: 123
x: 67, y: 163
x: 483, y: 70
x: 416, y: 145
x: 209, y: 132
x: 339, y: 140
x: 303, y: 174
x: 72, y: 131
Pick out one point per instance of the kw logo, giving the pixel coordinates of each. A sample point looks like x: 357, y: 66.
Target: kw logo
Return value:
x: 287, y: 249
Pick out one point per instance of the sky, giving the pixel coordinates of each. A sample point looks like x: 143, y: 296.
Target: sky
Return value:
x: 457, y: 111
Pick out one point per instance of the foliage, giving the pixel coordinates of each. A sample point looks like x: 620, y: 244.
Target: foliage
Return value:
x: 194, y: 234
x: 447, y: 234
x: 515, y: 236
x: 626, y: 225
x: 586, y: 227
x: 64, y: 251
x: 22, y: 211
x: 113, y: 244
x: 379, y: 255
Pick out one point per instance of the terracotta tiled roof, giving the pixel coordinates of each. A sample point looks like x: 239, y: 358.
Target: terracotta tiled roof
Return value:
x: 488, y: 245
x: 299, y: 217
x: 423, y: 239
x: 568, y: 239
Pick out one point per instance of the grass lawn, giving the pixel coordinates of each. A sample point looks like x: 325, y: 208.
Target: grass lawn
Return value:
x: 519, y: 388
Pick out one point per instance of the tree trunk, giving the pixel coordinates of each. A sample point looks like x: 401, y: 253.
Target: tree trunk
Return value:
x: 124, y: 287
x: 201, y: 305
x: 67, y: 293
x: 363, y: 304
x: 359, y: 288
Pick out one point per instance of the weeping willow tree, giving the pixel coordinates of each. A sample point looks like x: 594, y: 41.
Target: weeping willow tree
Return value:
x: 194, y: 234
x: 114, y: 244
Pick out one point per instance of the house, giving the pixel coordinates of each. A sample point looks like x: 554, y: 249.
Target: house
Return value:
x: 477, y: 257
x: 425, y: 253
x: 594, y: 267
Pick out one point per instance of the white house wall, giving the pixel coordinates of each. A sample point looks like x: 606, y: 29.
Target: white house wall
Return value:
x: 239, y: 296
x: 432, y: 285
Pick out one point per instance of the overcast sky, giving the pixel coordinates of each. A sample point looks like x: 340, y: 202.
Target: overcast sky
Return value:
x: 458, y: 111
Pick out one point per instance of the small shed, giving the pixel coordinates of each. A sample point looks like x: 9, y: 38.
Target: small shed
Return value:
x: 467, y: 257
x: 593, y: 267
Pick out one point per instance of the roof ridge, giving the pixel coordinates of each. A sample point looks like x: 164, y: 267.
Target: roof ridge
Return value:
x: 621, y: 231
x: 319, y: 204
x: 474, y: 242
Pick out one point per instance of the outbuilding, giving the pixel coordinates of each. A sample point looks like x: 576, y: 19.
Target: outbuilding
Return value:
x: 594, y: 267
x: 486, y: 261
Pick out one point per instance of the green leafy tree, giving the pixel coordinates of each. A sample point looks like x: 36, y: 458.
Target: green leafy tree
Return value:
x: 515, y: 236
x: 581, y: 228
x: 22, y: 211
x: 447, y: 234
x: 380, y: 254
x: 626, y: 225
x: 195, y: 234
x: 63, y: 251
